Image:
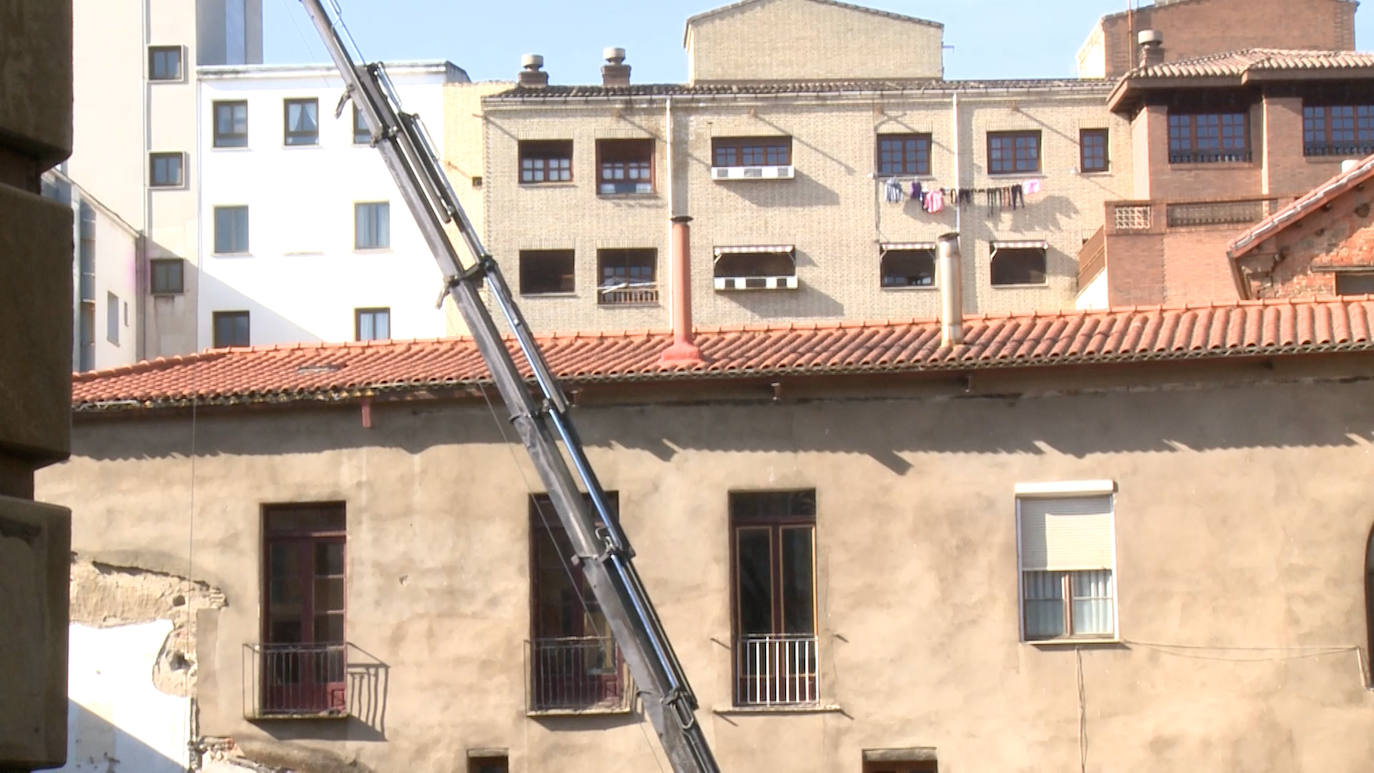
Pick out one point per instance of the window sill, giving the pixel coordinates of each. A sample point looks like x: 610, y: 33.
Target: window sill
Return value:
x: 368, y: 250
x: 909, y: 288
x: 1187, y: 165
x: 231, y: 254
x: 551, y: 184
x: 644, y: 195
x: 1037, y: 174
x: 808, y: 708
x: 301, y: 146
x: 535, y: 296
x: 240, y: 148
x: 166, y: 293
x: 1041, y: 285
x: 1068, y: 641
x: 1095, y: 173
x: 329, y: 716
x: 156, y: 187
x: 591, y: 711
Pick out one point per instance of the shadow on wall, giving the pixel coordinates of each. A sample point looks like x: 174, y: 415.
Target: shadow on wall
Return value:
x: 366, y: 684
x: 802, y: 191
x: 265, y: 325
x: 94, y: 745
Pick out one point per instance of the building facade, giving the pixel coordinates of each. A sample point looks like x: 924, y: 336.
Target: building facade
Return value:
x: 871, y: 551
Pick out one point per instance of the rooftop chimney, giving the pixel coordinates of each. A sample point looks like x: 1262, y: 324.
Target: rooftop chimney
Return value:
x: 682, y: 351
x: 531, y: 77
x: 949, y: 275
x: 1151, y: 47
x: 614, y: 72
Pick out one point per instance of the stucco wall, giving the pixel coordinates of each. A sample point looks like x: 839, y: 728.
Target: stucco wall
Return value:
x: 805, y: 39
x: 1240, y: 564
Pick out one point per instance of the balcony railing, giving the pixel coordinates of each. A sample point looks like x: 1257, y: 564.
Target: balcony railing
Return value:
x: 777, y: 670
x: 1355, y: 149
x: 295, y: 680
x: 1208, y: 156
x: 1218, y: 212
x: 628, y: 294
x: 577, y: 673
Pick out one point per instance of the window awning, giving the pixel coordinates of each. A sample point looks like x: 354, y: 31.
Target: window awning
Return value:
x: 884, y: 246
x: 1024, y: 244
x: 756, y: 249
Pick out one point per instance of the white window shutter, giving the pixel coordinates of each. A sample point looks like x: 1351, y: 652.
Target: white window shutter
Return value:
x: 1066, y: 533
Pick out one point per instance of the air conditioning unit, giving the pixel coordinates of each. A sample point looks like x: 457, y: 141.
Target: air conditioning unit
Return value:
x: 756, y: 283
x: 752, y: 172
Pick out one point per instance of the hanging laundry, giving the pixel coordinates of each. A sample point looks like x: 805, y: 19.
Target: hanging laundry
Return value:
x: 935, y: 201
x: 893, y: 190
x: 918, y: 193
x: 1017, y: 196
x: 1032, y: 186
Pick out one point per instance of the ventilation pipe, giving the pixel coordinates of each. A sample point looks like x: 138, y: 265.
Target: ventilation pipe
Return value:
x: 614, y: 72
x: 949, y: 275
x: 531, y: 77
x: 1151, y: 47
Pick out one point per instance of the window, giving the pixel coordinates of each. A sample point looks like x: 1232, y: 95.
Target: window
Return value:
x: 903, y: 154
x: 626, y: 277
x: 231, y: 229
x: 545, y: 161
x: 912, y: 760
x: 230, y: 328
x: 231, y: 124
x: 1092, y: 150
x: 756, y: 267
x: 1018, y: 263
x: 302, y: 121
x: 545, y: 272
x: 908, y: 266
x: 371, y: 324
x: 303, y: 610
x: 1013, y: 152
x: 1337, y: 130
x: 751, y: 151
x: 488, y: 763
x: 1197, y: 138
x: 164, y: 63
x: 112, y: 318
x: 86, y: 340
x: 624, y: 166
x: 167, y: 276
x: 165, y: 170
x: 372, y: 225
x: 1067, y: 556
x: 361, y: 134
x: 773, y: 546
x: 574, y: 661
x: 1354, y: 283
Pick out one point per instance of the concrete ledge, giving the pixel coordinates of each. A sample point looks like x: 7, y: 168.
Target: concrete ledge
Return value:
x: 36, y: 78
x: 35, y: 542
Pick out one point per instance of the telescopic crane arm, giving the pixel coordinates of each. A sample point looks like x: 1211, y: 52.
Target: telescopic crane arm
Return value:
x: 601, y: 550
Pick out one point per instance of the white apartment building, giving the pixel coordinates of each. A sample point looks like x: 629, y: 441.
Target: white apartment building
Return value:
x: 305, y: 237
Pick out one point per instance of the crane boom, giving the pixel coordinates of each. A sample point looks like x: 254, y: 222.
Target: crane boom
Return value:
x: 601, y: 550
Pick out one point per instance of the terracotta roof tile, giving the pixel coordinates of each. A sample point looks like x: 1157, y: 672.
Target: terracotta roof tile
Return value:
x: 1238, y: 63
x: 313, y: 372
x: 1300, y: 208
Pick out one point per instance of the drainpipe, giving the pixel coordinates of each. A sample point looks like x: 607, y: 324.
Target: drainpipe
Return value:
x: 949, y: 274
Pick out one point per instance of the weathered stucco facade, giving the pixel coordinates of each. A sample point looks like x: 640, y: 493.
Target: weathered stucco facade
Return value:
x: 1241, y: 522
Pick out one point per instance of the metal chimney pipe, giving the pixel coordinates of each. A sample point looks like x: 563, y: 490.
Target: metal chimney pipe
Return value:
x: 949, y: 276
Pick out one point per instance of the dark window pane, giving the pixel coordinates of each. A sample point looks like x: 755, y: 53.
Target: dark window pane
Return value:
x: 231, y: 124
x: 751, y: 151
x: 1018, y: 266
x: 754, y: 575
x: 546, y: 271
x: 908, y: 268
x: 798, y: 580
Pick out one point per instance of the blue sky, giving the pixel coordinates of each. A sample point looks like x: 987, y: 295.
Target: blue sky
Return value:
x: 990, y: 38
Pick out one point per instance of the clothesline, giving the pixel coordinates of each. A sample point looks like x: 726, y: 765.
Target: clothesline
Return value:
x: 934, y: 199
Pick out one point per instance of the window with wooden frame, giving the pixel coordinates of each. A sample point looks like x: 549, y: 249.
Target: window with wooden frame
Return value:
x: 231, y: 124
x: 903, y: 154
x: 1018, y: 263
x: 907, y: 265
x: 773, y: 557
x: 167, y: 276
x: 546, y: 161
x: 302, y: 121
x: 626, y: 277
x: 546, y: 272
x: 624, y: 166
x: 751, y: 151
x: 1067, y: 561
x: 1015, y: 152
x: 1337, y: 130
x: 574, y: 661
x: 229, y: 328
x: 166, y: 170
x: 303, y: 647
x: 165, y: 63
x: 1092, y: 150
x: 371, y: 324
x: 1204, y: 138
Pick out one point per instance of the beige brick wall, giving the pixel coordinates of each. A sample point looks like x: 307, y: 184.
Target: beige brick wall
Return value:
x: 807, y: 39
x: 833, y: 211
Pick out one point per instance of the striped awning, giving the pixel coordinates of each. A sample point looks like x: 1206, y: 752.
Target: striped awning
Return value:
x: 884, y: 246
x: 1024, y: 244
x: 755, y: 249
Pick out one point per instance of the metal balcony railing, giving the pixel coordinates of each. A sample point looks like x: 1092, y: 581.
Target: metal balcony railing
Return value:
x: 295, y: 680
x: 577, y: 673
x: 1354, y: 149
x: 1208, y: 156
x: 627, y: 294
x: 777, y: 670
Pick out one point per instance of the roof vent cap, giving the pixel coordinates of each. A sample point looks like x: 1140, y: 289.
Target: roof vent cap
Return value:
x: 613, y: 55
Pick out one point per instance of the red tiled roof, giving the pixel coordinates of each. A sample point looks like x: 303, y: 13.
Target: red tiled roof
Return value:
x: 1305, y: 204
x: 315, y: 372
x: 1246, y: 60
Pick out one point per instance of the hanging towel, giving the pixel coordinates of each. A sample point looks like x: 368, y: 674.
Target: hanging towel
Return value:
x: 936, y: 202
x: 1032, y: 186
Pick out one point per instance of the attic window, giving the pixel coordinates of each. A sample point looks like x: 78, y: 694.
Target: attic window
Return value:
x: 756, y: 267
x: 1019, y: 263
